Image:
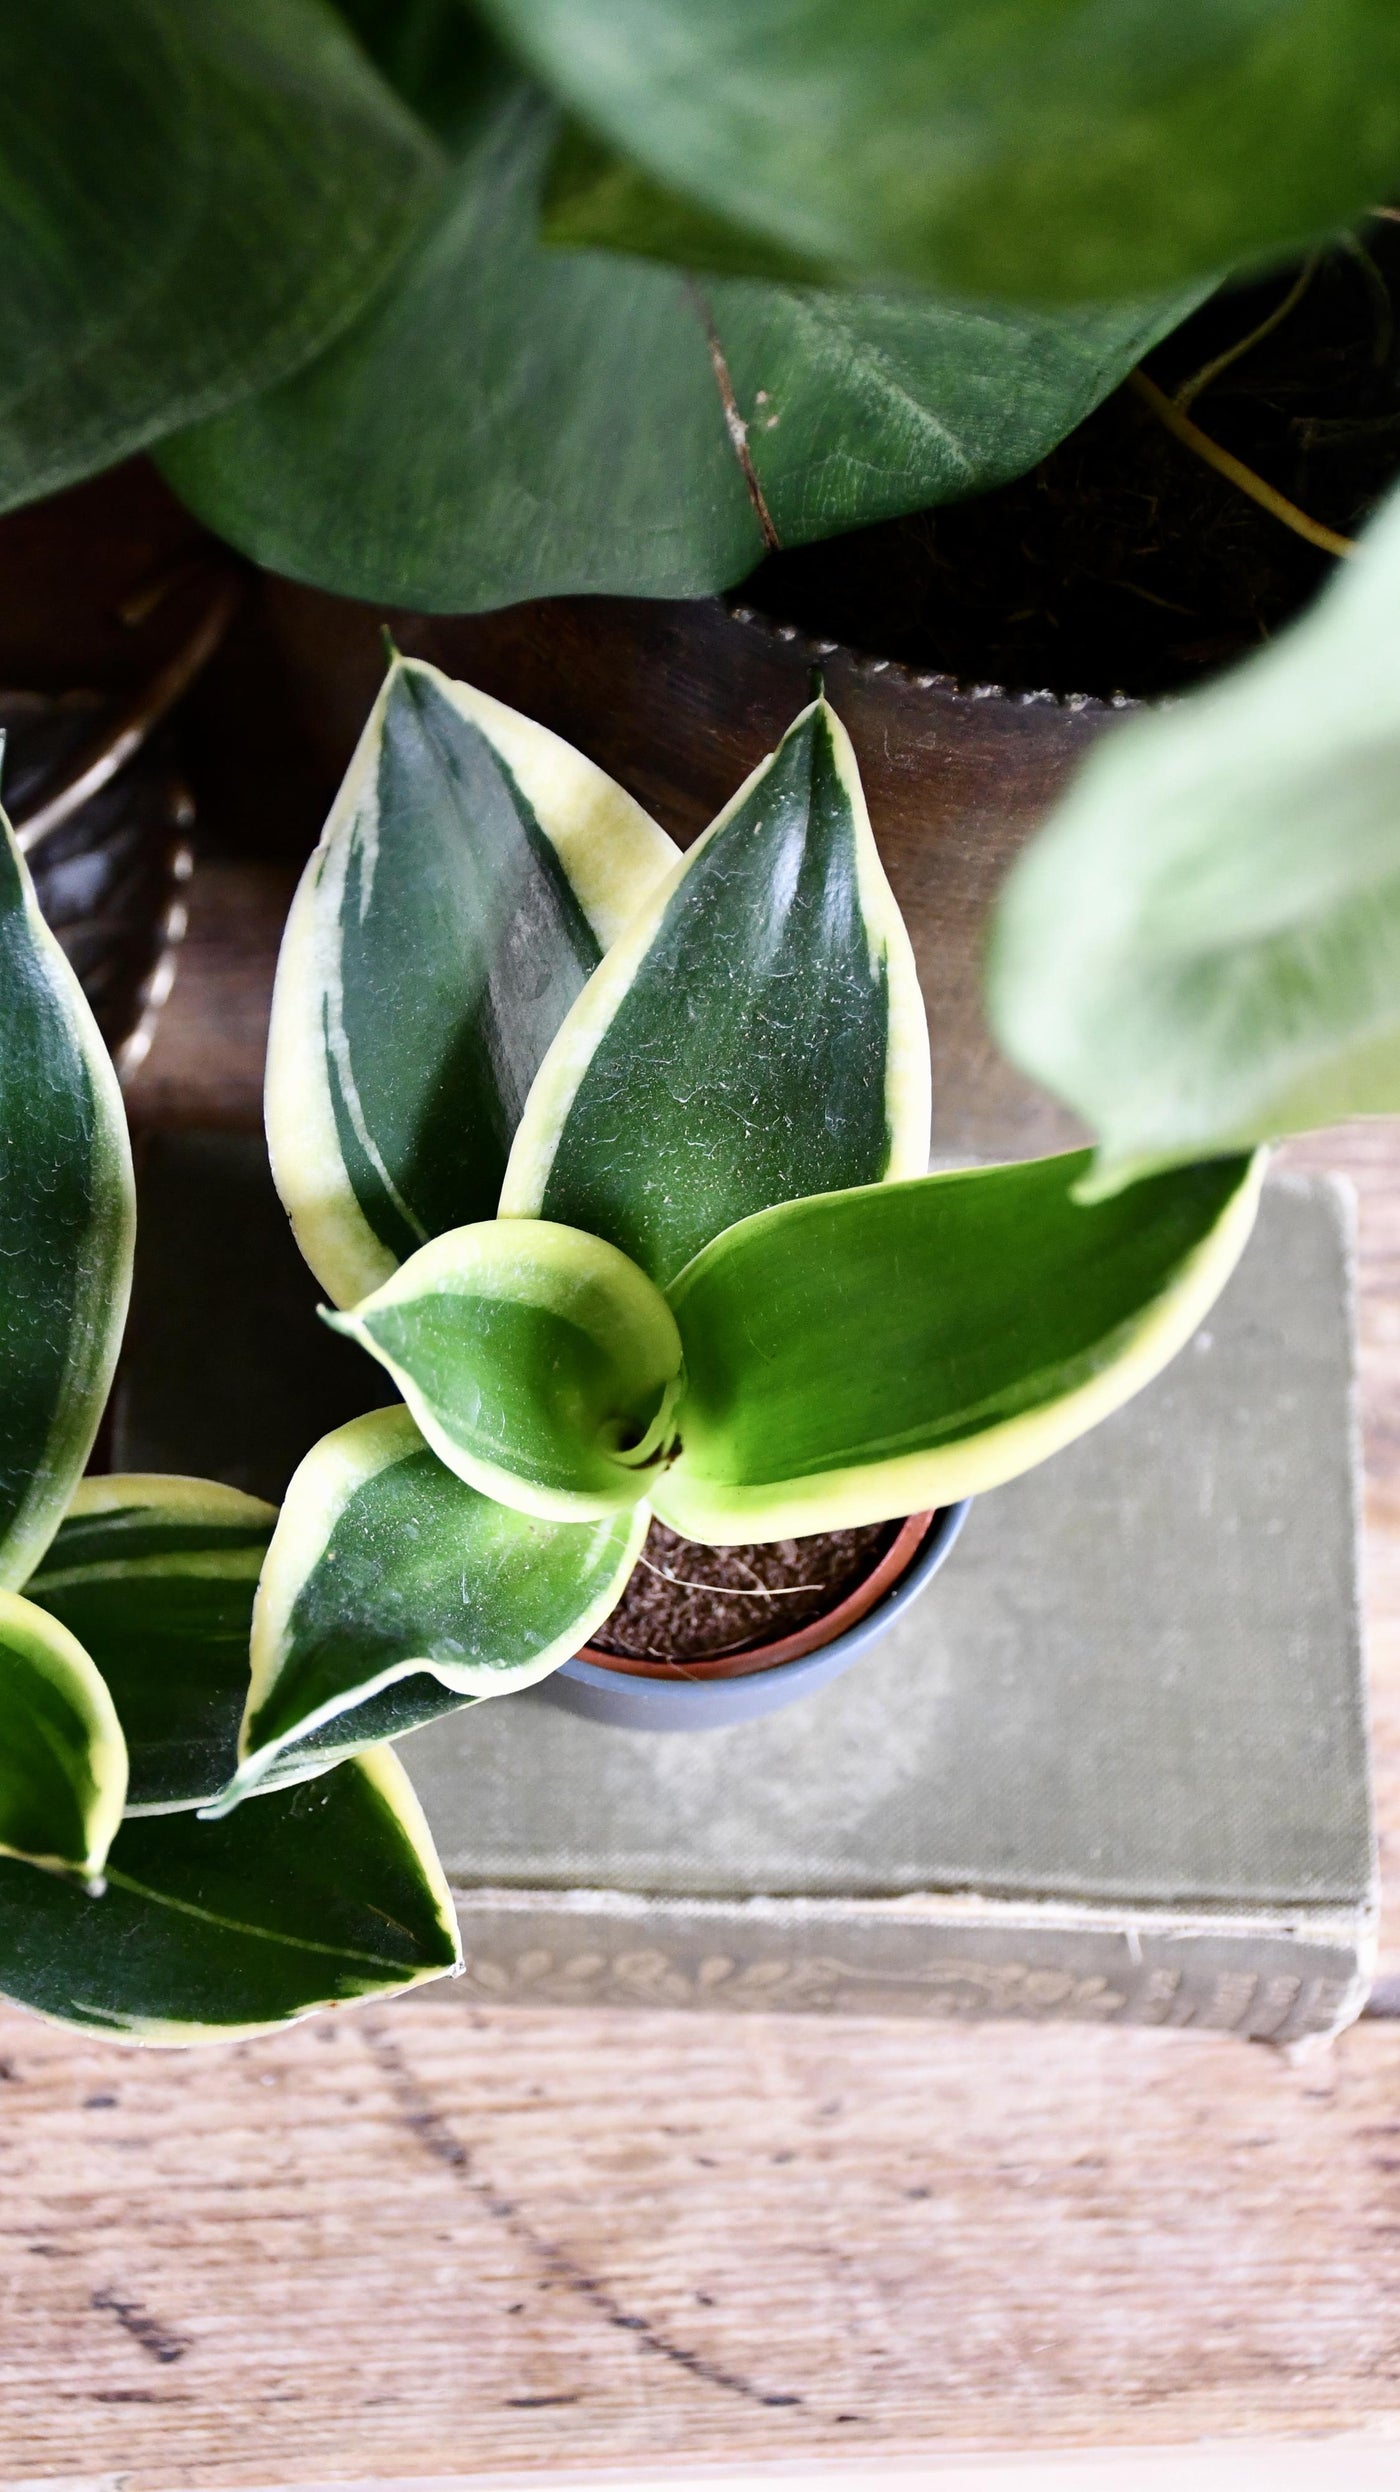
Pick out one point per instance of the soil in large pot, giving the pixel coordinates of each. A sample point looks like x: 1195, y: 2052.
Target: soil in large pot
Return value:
x: 1124, y: 563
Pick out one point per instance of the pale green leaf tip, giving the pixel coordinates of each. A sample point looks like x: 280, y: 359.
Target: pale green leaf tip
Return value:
x: 347, y: 1323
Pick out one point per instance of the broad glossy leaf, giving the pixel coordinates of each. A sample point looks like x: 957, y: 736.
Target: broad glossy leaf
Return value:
x: 66, y: 1221
x: 1202, y: 948
x: 393, y: 1592
x: 868, y: 1354
x: 510, y: 421
x: 62, y: 1756
x: 156, y: 1577
x: 757, y: 1033
x: 539, y: 1363
x: 1029, y: 148
x: 472, y: 873
x: 195, y: 196
x: 317, y: 1897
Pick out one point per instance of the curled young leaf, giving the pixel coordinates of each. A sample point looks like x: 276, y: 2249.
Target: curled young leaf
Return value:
x: 868, y: 1354
x: 62, y: 1756
x: 1202, y: 948
x: 67, y: 1216
x: 321, y: 1895
x: 757, y: 1033
x: 393, y: 1593
x: 472, y: 873
x: 156, y: 1576
x: 539, y: 1363
x: 999, y: 147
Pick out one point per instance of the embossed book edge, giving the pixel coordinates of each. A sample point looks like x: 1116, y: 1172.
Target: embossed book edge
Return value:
x: 1279, y: 1975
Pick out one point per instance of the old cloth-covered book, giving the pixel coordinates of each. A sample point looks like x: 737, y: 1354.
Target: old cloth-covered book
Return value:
x: 1111, y: 1765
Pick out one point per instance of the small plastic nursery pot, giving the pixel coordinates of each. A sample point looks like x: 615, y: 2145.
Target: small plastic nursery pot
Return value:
x: 636, y: 1696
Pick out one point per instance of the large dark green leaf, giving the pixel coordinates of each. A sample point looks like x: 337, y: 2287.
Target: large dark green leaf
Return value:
x: 758, y: 1032
x: 195, y: 195
x: 868, y: 1354
x: 472, y: 873
x: 156, y: 1577
x: 208, y: 1932
x: 62, y: 1759
x: 510, y: 421
x: 540, y: 1364
x: 1202, y: 949
x: 66, y: 1221
x: 1055, y: 149
x: 394, y: 1593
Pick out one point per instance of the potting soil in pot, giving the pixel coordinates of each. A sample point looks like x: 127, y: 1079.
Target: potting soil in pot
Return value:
x: 1123, y: 562
x: 686, y: 1602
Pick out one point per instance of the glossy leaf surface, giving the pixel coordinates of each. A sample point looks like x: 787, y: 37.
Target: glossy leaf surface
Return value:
x: 473, y: 870
x: 538, y: 1362
x: 394, y: 1593
x: 1202, y: 948
x: 868, y: 1354
x: 510, y: 421
x: 196, y: 195
x: 62, y: 1757
x: 66, y: 1221
x: 156, y: 1579
x: 321, y: 1895
x: 1025, y: 148
x: 758, y: 1033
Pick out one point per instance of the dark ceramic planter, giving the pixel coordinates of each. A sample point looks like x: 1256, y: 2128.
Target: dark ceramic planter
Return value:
x: 600, y: 1693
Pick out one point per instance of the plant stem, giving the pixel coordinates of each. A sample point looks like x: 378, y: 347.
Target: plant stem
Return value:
x: 1191, y: 389
x: 1226, y: 464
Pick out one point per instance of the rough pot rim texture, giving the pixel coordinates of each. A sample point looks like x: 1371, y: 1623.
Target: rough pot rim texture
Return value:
x: 887, y: 1570
x: 712, y: 1702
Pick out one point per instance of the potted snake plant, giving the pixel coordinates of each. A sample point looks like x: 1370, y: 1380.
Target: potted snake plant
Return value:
x: 616, y: 1161
x: 124, y: 1619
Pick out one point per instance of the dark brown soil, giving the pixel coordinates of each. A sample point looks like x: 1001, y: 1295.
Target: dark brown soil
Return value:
x: 1123, y: 563
x: 685, y: 1602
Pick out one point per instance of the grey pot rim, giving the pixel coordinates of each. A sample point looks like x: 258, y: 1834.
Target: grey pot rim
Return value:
x: 694, y: 1703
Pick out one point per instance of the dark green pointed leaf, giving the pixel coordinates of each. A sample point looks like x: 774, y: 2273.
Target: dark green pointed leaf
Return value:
x: 510, y: 421
x: 394, y: 1593
x: 62, y: 1757
x: 868, y: 1354
x: 195, y: 196
x: 1002, y: 147
x: 539, y: 1363
x: 1202, y: 949
x: 66, y: 1219
x: 317, y: 1897
x: 156, y: 1577
x: 758, y: 1033
x: 473, y: 871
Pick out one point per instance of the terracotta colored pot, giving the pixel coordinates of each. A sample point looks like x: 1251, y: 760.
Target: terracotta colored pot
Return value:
x: 809, y: 1639
x: 606, y: 1688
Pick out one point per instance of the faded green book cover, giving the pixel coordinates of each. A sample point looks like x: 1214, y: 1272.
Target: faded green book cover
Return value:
x: 1113, y: 1764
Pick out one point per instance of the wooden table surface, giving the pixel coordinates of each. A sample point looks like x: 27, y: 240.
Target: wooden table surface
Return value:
x: 439, y: 2239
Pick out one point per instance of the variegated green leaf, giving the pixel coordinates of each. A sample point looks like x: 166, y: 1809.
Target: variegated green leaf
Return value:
x: 472, y: 873
x: 539, y: 1363
x: 66, y: 1224
x: 393, y: 1592
x: 871, y: 1353
x: 756, y: 1035
x: 62, y: 1756
x: 156, y: 1578
x: 321, y: 1895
